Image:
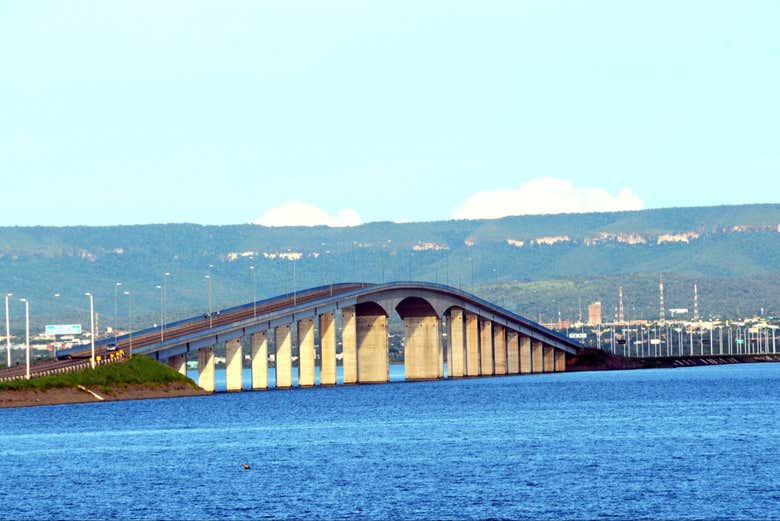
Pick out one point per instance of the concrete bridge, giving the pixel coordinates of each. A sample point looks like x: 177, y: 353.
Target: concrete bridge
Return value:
x: 481, y: 338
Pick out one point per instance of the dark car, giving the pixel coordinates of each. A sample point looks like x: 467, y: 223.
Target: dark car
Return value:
x: 111, y: 346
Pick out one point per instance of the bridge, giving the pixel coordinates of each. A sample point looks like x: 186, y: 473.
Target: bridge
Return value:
x: 480, y: 338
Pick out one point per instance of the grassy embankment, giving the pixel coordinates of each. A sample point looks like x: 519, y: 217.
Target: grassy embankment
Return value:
x: 109, y: 378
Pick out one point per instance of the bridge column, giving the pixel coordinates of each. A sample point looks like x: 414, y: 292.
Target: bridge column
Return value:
x: 486, y: 347
x: 233, y: 365
x: 283, y: 338
x: 421, y: 348
x: 525, y: 354
x: 537, y: 357
x: 372, y: 353
x: 472, y: 345
x: 260, y: 360
x: 499, y: 349
x: 349, y: 344
x: 306, y: 352
x: 327, y: 349
x: 206, y: 368
x: 512, y: 352
x: 560, y: 360
x: 548, y: 364
x: 455, y: 344
x: 178, y: 363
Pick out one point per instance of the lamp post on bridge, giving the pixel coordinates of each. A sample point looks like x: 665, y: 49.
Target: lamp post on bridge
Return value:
x: 208, y: 280
x: 26, y: 336
x: 91, y: 328
x: 254, y: 290
x: 8, y: 330
x: 130, y: 319
x: 158, y: 286
x: 164, y: 301
x: 116, y: 304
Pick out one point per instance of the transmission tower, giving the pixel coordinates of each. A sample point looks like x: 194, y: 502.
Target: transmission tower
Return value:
x: 662, y: 313
x: 621, y: 315
x: 695, y: 302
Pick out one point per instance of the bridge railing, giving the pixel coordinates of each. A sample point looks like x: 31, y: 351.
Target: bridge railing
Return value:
x: 66, y: 369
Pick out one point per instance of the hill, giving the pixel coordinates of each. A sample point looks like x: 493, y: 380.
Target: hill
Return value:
x: 536, y: 264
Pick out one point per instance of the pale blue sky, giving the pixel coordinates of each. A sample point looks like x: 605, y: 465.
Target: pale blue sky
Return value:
x: 216, y: 112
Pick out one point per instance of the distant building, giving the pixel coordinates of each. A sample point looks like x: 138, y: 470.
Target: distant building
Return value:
x: 594, y: 314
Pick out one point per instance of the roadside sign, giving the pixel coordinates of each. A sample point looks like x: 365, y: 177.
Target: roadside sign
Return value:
x: 578, y: 336
x: 63, y: 329
x: 655, y: 342
x: 740, y: 341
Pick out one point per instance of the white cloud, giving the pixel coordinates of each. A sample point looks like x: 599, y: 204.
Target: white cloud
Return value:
x: 298, y: 213
x: 545, y: 195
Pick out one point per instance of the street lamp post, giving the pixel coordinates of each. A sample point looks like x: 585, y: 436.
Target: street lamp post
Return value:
x: 26, y: 336
x: 8, y: 330
x: 208, y: 279
x: 161, y: 310
x: 164, y: 301
x: 254, y: 290
x: 91, y: 328
x: 130, y: 319
x: 116, y: 299
x: 56, y: 320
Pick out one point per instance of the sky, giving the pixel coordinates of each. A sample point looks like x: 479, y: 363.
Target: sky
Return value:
x: 343, y: 112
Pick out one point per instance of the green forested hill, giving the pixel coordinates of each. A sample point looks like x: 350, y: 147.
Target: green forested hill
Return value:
x: 535, y: 264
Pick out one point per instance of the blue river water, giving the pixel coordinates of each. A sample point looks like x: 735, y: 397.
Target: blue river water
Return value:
x: 689, y: 443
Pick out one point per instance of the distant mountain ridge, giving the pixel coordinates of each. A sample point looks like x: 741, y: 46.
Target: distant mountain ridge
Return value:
x: 712, y: 243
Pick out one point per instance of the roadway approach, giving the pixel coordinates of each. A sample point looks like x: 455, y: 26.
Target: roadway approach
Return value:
x: 481, y: 338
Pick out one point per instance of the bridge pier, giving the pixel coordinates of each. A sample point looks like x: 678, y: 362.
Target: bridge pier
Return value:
x: 512, y: 352
x: 206, y: 368
x: 178, y: 363
x: 472, y: 345
x: 422, y: 360
x: 260, y: 360
x: 548, y: 364
x: 525, y: 354
x: 306, y: 352
x: 455, y: 344
x: 560, y: 360
x: 537, y: 357
x: 327, y: 349
x: 233, y: 365
x: 349, y: 345
x: 372, y: 353
x: 499, y: 350
x: 486, y: 347
x: 283, y: 359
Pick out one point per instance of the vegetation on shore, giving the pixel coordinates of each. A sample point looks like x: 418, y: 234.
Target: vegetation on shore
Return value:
x: 139, y: 370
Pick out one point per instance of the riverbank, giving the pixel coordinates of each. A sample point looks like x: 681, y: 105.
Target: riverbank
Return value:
x: 138, y: 378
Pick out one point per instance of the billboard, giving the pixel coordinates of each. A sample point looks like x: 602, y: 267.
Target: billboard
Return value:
x: 63, y: 329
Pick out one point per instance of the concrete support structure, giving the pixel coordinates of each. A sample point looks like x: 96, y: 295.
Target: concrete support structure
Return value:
x: 327, y: 349
x: 560, y: 360
x: 422, y: 348
x: 260, y: 360
x: 349, y: 345
x: 537, y: 357
x: 512, y: 352
x: 499, y: 350
x: 372, y: 353
x: 283, y: 341
x: 486, y: 347
x: 548, y: 365
x: 233, y: 365
x: 306, y: 352
x: 206, y: 368
x: 472, y: 345
x: 456, y: 345
x: 178, y: 363
x: 525, y: 354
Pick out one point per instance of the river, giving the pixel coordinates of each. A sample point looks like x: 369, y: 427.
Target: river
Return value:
x: 689, y: 443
